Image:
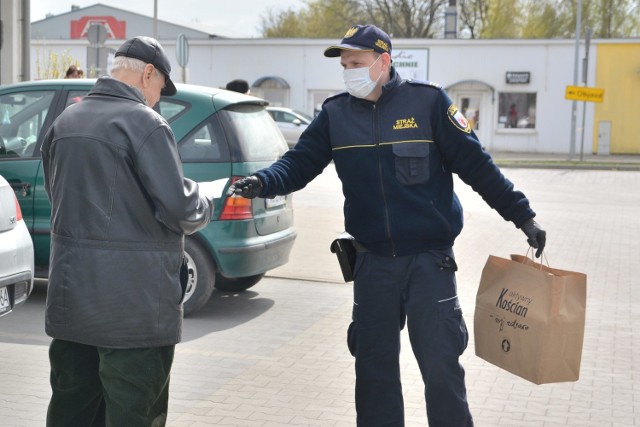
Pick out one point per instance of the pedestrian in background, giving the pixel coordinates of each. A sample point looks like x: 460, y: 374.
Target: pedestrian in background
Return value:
x: 395, y: 144
x: 120, y: 209
x: 239, y: 85
x: 73, y: 72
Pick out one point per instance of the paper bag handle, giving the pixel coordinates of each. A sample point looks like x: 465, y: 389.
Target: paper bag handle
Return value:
x: 543, y: 258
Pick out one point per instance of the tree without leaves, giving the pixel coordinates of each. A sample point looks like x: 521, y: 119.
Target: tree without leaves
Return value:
x: 473, y: 15
x: 406, y: 18
x: 400, y: 18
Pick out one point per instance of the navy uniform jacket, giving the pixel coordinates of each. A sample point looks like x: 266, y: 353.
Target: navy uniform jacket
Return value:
x: 395, y: 158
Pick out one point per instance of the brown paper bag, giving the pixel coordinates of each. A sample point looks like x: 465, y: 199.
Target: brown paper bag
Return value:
x: 529, y: 319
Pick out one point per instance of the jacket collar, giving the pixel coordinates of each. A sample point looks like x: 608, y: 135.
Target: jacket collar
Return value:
x: 394, y: 81
x: 112, y: 87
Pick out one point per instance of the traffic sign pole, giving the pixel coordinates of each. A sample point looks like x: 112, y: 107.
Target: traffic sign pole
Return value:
x: 182, y: 54
x: 585, y: 69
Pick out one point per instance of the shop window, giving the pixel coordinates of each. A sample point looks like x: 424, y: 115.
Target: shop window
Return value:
x: 517, y: 110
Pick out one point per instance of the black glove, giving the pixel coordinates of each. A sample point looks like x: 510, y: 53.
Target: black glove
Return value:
x: 248, y: 187
x: 536, y: 236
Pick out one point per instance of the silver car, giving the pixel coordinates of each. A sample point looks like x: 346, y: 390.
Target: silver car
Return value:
x: 16, y: 252
x: 291, y: 122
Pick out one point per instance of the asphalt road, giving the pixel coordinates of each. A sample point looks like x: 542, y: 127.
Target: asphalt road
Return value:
x: 275, y: 355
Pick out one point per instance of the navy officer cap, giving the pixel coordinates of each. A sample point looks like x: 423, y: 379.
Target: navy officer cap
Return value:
x: 364, y: 38
x: 148, y: 50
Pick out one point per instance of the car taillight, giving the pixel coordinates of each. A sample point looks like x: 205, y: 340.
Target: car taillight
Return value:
x: 18, y: 211
x: 236, y: 207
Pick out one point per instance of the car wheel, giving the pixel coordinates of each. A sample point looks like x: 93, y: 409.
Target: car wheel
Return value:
x: 236, y: 284
x: 202, y: 276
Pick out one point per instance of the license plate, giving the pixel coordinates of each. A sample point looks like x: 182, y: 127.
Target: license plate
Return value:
x: 275, y: 202
x: 5, y: 303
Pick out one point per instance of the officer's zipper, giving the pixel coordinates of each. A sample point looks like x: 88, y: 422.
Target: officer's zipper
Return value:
x: 384, y: 196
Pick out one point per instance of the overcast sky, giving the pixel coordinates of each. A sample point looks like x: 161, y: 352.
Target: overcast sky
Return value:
x: 231, y: 18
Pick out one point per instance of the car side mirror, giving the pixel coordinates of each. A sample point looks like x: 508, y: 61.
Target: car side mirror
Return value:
x: 296, y: 122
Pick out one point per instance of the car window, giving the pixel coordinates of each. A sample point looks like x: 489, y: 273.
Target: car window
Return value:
x: 304, y: 116
x: 253, y: 133
x: 203, y: 144
x: 170, y: 109
x: 22, y: 115
x: 74, y: 96
x: 289, y: 118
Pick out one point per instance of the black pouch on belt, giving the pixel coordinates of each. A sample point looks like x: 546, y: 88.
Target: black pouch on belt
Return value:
x: 345, y: 250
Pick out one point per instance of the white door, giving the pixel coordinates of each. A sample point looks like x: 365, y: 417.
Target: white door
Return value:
x: 604, y: 137
x: 472, y: 105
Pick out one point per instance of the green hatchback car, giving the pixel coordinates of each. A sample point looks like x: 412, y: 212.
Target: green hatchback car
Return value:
x: 221, y: 135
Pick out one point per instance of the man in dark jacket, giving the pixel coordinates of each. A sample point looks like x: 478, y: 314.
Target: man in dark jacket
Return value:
x: 120, y: 209
x: 395, y: 144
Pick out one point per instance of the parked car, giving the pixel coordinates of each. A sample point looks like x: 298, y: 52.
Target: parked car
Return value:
x: 291, y: 123
x: 16, y: 251
x: 220, y: 135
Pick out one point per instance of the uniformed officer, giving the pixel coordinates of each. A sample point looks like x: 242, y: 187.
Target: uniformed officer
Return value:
x: 395, y: 144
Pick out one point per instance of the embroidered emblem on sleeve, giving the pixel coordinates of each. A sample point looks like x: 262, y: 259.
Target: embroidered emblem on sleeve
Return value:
x: 458, y: 119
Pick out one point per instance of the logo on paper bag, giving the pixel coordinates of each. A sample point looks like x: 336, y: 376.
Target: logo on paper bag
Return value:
x: 506, y: 345
x: 513, y: 303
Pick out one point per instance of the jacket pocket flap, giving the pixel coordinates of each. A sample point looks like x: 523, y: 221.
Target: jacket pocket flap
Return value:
x: 411, y: 149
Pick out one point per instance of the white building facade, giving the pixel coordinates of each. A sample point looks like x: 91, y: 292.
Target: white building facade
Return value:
x: 513, y: 91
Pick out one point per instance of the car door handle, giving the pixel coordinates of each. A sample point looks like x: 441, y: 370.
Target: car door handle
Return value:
x: 23, y: 188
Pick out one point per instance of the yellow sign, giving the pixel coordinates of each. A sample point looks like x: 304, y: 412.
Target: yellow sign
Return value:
x: 581, y: 93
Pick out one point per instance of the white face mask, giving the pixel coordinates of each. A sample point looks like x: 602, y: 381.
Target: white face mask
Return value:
x: 357, y: 81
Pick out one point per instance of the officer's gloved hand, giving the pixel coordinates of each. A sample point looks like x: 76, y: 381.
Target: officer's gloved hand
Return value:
x: 248, y: 187
x: 536, y: 236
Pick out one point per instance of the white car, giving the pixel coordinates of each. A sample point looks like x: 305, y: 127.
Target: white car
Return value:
x: 291, y: 122
x: 16, y: 252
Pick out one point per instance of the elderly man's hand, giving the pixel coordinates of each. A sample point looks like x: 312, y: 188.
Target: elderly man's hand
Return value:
x: 248, y: 187
x: 536, y: 236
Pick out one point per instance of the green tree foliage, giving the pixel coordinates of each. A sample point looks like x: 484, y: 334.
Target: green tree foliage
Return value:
x: 543, y: 20
x: 504, y: 19
x: 287, y: 23
x: 531, y: 19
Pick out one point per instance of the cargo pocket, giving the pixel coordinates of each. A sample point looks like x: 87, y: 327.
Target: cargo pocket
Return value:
x: 456, y: 336
x: 412, y: 162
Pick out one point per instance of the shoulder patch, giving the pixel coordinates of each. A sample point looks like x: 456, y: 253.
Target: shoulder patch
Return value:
x: 458, y: 119
x: 424, y: 83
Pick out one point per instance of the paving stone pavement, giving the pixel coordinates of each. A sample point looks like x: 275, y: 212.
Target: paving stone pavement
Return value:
x: 276, y: 354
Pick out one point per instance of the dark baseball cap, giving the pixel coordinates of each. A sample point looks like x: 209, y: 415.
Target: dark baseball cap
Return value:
x: 362, y: 37
x: 147, y: 49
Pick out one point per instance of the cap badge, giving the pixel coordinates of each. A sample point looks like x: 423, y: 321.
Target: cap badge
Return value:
x: 382, y: 45
x: 351, y: 32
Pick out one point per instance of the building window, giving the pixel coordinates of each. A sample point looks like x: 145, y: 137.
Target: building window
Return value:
x: 517, y: 110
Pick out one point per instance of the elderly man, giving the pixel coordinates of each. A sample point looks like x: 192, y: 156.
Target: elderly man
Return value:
x: 120, y: 209
x: 395, y: 144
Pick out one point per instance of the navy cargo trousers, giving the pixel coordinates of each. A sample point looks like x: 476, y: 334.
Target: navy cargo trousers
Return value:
x: 419, y: 290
